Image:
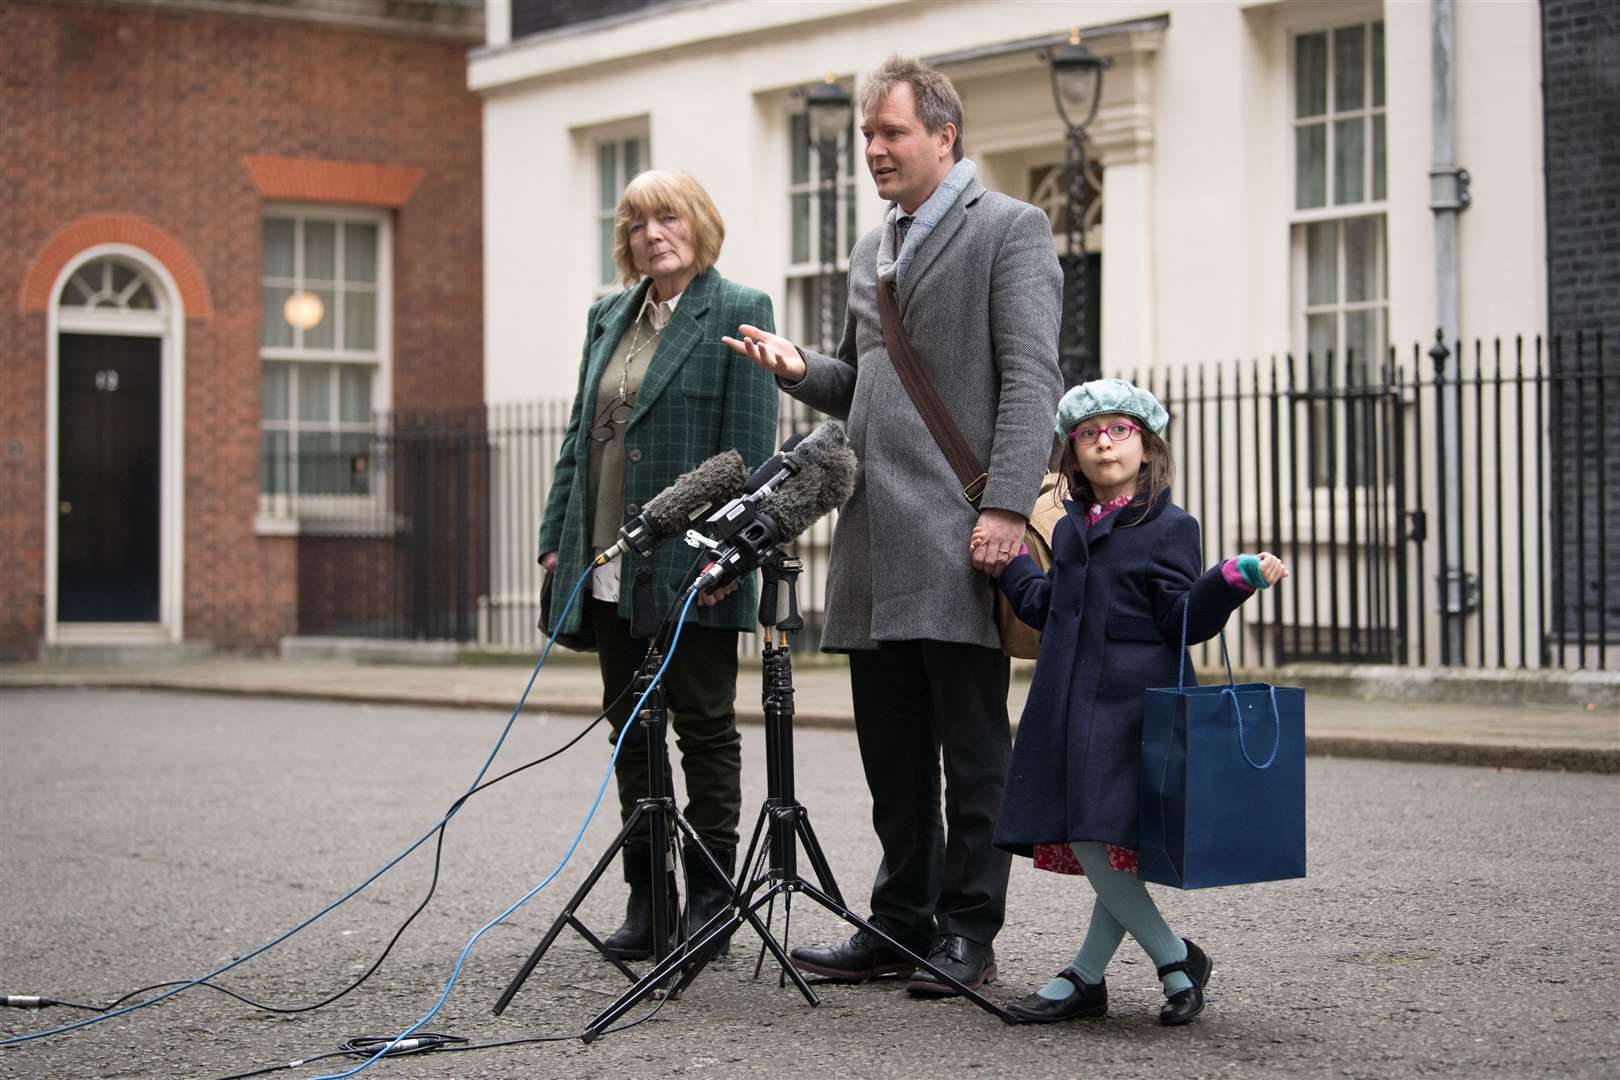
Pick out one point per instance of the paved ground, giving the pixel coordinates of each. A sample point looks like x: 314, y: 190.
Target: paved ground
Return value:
x: 1563, y: 736
x: 1457, y: 921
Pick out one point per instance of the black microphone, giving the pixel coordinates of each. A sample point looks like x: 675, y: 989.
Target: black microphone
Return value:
x: 821, y: 480
x: 670, y: 511
x: 773, y: 468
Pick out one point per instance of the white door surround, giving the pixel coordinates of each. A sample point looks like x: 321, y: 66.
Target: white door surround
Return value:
x: 148, y: 306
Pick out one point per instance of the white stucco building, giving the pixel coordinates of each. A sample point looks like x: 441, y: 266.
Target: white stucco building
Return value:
x: 1245, y: 145
x: 1270, y: 173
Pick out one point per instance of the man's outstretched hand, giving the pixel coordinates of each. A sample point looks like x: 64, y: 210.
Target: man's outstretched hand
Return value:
x: 769, y: 351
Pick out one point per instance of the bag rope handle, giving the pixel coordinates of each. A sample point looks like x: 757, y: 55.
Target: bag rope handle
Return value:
x: 1229, y: 691
x: 1276, y: 716
x: 1181, y: 664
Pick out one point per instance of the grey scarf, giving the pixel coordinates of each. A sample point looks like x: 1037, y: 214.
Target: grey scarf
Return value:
x: 928, y: 215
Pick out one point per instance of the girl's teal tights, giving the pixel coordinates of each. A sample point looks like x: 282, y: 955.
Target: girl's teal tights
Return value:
x: 1123, y: 904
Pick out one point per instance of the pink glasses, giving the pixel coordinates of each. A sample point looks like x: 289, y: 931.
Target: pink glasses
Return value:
x: 1117, y: 433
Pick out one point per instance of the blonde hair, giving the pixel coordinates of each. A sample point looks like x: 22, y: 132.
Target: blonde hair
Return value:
x: 667, y: 191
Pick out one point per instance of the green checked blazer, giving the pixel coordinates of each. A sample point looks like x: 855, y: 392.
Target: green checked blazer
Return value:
x: 697, y: 399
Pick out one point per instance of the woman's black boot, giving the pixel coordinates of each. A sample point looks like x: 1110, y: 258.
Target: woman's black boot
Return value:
x: 706, y: 894
x: 634, y: 940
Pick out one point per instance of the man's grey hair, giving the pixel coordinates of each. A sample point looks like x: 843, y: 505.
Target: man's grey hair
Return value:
x: 938, y: 103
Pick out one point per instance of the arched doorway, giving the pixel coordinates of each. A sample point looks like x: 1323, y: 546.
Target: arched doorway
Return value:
x: 113, y: 499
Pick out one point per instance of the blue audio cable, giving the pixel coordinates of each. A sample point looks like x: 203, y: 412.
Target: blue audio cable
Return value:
x: 395, y: 861
x: 526, y: 897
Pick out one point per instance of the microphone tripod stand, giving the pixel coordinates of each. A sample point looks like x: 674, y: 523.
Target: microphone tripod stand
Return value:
x: 771, y: 866
x: 659, y: 807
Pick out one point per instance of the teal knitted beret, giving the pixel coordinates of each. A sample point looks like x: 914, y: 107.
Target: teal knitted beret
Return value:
x: 1103, y: 396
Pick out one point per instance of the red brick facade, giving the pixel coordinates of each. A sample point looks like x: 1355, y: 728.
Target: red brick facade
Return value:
x: 168, y: 130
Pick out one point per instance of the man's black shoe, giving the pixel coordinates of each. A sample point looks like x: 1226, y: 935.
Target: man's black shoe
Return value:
x: 1086, y: 1001
x: 862, y: 957
x: 970, y: 963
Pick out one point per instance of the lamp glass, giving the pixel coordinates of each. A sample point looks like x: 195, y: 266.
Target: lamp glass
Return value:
x: 828, y: 106
x: 1079, y: 82
x: 304, y: 310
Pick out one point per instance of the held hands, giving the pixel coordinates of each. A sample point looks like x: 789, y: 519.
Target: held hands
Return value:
x: 996, y: 540
x: 769, y: 351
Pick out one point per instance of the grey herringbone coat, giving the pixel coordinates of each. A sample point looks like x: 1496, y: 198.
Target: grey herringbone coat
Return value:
x: 981, y: 303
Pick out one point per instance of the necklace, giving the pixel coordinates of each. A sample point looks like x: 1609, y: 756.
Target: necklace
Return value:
x: 636, y: 346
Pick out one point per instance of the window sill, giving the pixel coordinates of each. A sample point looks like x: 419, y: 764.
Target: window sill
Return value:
x: 362, y: 518
x: 274, y: 525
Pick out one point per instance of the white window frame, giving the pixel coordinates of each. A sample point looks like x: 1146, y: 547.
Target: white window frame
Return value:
x: 797, y: 325
x: 1338, y: 214
x: 606, y: 281
x: 290, y: 512
x: 1330, y: 119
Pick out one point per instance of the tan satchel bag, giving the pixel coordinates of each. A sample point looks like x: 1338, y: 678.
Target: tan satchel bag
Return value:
x: 1018, y: 639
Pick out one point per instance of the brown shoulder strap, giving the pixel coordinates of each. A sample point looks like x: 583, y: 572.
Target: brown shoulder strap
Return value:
x: 923, y: 395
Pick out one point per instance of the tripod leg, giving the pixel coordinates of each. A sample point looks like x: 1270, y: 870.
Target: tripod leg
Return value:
x: 855, y: 920
x: 748, y: 861
x: 697, y: 938
x: 818, y: 858
x: 787, y: 932
x: 776, y: 949
x: 770, y: 917
x: 566, y: 918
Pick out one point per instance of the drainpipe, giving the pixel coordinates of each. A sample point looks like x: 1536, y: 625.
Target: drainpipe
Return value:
x: 1448, y: 196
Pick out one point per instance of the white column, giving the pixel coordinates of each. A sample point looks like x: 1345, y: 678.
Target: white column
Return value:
x: 1128, y: 339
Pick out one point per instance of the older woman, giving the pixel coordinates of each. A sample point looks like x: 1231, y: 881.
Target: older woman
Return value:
x: 658, y: 394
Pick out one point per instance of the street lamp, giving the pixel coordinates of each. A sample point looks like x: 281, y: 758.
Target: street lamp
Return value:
x: 1077, y: 75
x: 828, y: 105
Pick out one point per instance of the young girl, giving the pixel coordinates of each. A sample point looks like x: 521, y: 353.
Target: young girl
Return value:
x: 1125, y: 567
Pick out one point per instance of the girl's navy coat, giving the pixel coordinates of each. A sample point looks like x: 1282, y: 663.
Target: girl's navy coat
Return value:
x: 1110, y: 614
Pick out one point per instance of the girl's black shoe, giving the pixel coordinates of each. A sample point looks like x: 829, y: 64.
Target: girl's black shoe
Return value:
x: 1186, y: 1004
x: 1086, y: 1001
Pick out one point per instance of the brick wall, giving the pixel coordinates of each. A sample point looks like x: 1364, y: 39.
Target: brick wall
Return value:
x: 1581, y: 59
x: 149, y: 115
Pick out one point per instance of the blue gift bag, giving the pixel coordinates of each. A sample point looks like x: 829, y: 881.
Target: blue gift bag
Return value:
x: 1222, y: 798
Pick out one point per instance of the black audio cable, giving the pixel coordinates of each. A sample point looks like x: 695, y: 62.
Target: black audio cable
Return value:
x: 424, y: 1042
x: 20, y: 1001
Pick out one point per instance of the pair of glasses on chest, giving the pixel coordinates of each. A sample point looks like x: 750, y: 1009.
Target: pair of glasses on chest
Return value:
x: 1090, y: 433
x: 613, y: 416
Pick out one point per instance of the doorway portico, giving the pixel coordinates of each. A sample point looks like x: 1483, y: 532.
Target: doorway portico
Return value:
x: 114, y: 426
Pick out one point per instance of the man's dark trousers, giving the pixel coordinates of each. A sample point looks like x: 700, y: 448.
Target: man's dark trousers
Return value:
x: 917, y: 702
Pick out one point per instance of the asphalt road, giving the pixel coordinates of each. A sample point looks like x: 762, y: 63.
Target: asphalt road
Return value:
x: 1457, y: 921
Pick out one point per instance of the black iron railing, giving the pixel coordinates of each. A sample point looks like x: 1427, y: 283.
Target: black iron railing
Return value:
x: 1455, y: 505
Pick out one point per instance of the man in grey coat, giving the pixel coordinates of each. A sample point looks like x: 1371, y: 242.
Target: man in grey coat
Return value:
x: 909, y: 595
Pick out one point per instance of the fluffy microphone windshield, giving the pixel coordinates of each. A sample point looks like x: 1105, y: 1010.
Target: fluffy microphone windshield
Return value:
x: 713, y: 482
x: 829, y: 438
x: 820, y: 487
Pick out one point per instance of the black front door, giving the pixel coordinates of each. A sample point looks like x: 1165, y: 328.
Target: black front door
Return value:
x: 108, y: 501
